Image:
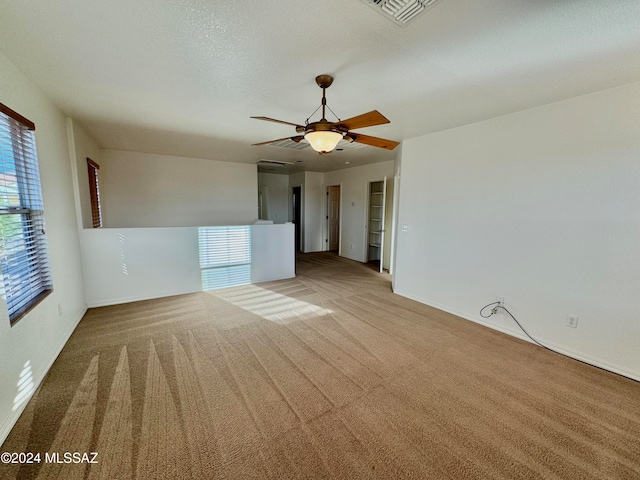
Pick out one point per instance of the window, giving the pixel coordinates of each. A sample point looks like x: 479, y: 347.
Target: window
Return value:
x: 23, y: 247
x: 94, y: 193
x: 225, y: 256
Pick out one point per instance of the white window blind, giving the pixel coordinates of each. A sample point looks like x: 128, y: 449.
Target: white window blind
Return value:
x: 23, y: 246
x: 225, y: 256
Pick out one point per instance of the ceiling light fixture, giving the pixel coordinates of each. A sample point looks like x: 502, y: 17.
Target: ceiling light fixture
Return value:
x: 323, y: 141
x: 323, y: 136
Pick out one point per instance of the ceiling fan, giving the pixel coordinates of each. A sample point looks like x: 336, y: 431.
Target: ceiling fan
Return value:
x: 323, y: 135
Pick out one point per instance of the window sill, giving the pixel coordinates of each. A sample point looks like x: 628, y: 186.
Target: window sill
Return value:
x: 23, y: 312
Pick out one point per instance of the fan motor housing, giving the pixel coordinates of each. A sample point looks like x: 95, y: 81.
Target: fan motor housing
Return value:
x: 324, y: 126
x: 324, y: 81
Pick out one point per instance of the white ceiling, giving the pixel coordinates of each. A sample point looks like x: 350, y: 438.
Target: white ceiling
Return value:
x: 182, y: 77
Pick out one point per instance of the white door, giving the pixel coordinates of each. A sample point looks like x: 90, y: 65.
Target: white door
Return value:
x: 333, y: 217
x: 382, y: 228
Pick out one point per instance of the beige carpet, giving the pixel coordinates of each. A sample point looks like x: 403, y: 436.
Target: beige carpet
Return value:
x: 328, y: 375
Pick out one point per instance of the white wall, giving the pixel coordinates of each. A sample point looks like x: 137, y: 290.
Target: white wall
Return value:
x: 146, y: 190
x: 83, y: 146
x: 354, y: 194
x: 540, y: 207
x: 276, y: 188
x: 313, y: 212
x: 142, y: 263
x: 37, y: 338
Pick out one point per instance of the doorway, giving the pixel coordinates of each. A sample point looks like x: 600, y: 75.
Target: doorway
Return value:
x: 332, y: 239
x: 296, y: 202
x: 376, y: 226
x: 263, y: 203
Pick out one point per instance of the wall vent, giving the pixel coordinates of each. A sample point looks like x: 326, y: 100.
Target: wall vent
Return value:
x: 272, y: 163
x: 401, y: 11
x: 288, y: 143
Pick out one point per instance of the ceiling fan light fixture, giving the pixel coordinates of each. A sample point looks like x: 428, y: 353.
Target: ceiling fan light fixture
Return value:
x: 323, y: 141
x: 323, y: 136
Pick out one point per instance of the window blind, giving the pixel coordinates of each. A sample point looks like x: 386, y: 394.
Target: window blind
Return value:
x: 94, y: 193
x: 225, y: 256
x: 23, y: 246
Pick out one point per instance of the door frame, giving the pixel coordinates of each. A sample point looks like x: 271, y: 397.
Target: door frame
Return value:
x: 394, y: 221
x: 325, y: 220
x: 301, y: 227
x: 263, y: 202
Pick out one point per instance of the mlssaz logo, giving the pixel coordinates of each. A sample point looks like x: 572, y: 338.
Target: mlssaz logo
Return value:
x: 71, y: 457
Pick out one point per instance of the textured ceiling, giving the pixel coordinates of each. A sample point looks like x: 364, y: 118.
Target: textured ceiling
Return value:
x: 182, y: 77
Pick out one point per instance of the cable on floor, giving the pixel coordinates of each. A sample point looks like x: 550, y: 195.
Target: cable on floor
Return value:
x: 497, y: 306
x: 494, y: 310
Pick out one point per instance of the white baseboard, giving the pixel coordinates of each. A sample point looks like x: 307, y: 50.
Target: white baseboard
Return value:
x: 140, y: 298
x: 137, y: 298
x: 583, y: 357
x: 274, y: 279
x: 10, y: 421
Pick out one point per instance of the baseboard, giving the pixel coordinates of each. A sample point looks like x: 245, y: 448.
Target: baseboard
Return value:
x: 140, y: 298
x: 10, y: 421
x: 137, y: 298
x: 580, y: 356
x: 274, y: 279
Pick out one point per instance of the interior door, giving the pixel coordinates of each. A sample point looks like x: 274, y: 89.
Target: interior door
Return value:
x: 382, y: 222
x: 333, y: 218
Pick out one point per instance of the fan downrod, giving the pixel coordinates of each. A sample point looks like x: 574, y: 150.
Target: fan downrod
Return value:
x: 324, y: 81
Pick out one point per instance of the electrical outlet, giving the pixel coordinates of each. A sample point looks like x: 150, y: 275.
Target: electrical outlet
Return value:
x: 405, y: 228
x: 500, y: 300
x: 572, y: 321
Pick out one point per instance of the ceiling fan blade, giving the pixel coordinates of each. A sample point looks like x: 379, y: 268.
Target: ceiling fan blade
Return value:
x: 373, y: 141
x: 295, y: 139
x: 267, y: 119
x: 369, y: 119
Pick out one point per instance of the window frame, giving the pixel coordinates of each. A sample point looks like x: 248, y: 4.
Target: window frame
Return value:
x: 32, y: 266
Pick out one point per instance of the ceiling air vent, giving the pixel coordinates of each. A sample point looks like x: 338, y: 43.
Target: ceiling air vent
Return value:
x: 401, y: 11
x: 272, y: 163
x: 288, y: 143
x: 344, y: 145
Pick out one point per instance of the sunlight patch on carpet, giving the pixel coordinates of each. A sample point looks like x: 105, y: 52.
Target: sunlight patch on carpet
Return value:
x: 270, y: 305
